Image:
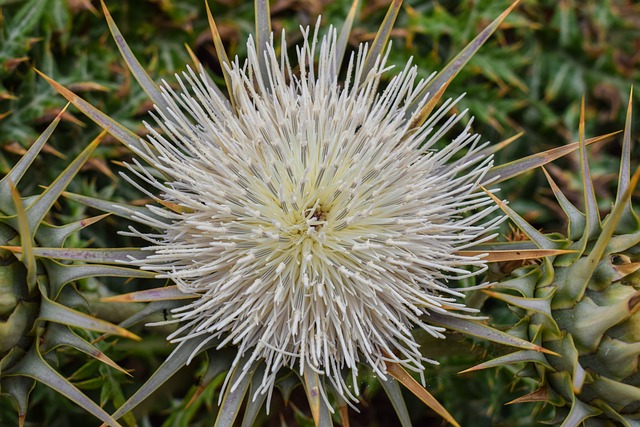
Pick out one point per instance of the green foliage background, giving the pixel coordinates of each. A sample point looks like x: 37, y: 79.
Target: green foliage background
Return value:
x: 529, y: 77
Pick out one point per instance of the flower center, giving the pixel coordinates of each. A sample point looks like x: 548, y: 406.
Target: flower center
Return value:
x: 318, y: 218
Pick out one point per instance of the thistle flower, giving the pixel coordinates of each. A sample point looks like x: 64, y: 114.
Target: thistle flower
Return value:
x: 313, y: 217
x: 314, y: 223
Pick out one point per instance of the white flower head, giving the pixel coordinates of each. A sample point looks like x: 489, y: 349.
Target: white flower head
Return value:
x: 313, y: 221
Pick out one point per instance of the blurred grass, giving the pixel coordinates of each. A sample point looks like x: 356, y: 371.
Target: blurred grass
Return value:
x: 529, y: 77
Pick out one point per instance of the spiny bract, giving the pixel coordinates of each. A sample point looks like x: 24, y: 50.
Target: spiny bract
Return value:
x: 583, y: 306
x: 36, y: 291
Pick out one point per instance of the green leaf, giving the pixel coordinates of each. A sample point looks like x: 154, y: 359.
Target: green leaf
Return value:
x: 148, y: 310
x: 319, y: 408
x: 479, y: 330
x: 579, y: 413
x: 18, y: 388
x: 176, y: 360
x: 53, y: 312
x: 345, y: 32
x: 511, y: 358
x: 513, y: 254
x: 157, y: 294
x: 449, y: 72
x: 583, y: 275
x: 134, y: 213
x: 107, y: 256
x: 625, y: 161
x: 61, y: 274
x: 16, y: 173
x: 254, y: 402
x: 148, y: 85
x: 592, y: 227
x: 576, y: 219
x: 517, y: 167
x: 37, y: 211
x: 263, y: 33
x: 26, y: 238
x: 629, y: 221
x: 33, y: 366
x: 221, y: 53
x: 56, y: 236
x: 382, y: 37
x: 24, y: 21
x: 538, y: 304
x: 114, y: 128
x: 61, y: 335
x: 392, y: 388
x: 234, y: 393
x: 398, y: 372
x: 540, y: 239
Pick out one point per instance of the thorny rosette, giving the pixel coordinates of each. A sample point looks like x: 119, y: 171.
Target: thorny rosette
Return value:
x: 312, y: 217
